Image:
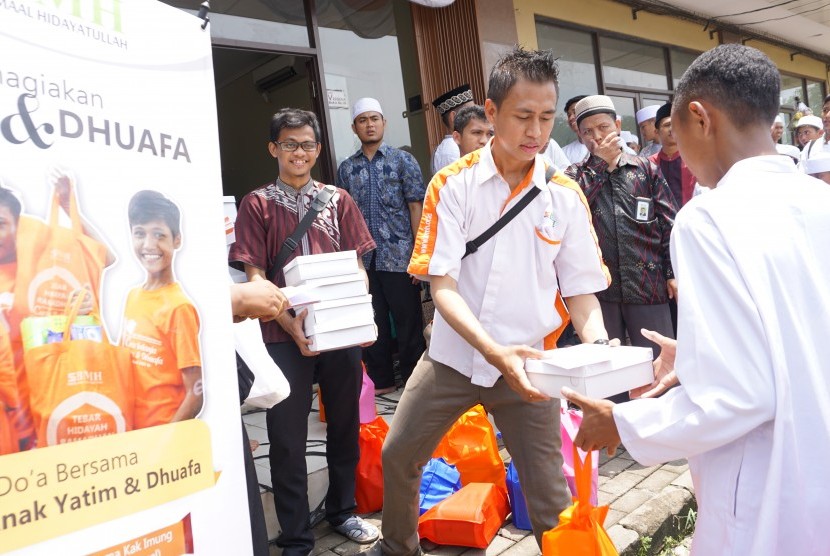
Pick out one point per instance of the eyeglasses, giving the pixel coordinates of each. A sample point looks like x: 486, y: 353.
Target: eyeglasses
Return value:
x: 291, y: 146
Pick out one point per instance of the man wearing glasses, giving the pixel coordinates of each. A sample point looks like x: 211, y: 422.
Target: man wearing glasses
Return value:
x: 267, y: 217
x: 387, y: 185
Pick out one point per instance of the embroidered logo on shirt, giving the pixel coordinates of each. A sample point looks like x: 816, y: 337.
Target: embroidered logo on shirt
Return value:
x: 548, y: 220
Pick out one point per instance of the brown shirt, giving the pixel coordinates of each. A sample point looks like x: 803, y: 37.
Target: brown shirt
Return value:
x: 268, y: 215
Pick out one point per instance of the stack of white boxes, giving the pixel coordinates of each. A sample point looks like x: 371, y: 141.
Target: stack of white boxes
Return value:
x: 343, y: 317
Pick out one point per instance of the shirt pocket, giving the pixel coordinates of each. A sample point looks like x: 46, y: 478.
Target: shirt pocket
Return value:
x: 391, y: 194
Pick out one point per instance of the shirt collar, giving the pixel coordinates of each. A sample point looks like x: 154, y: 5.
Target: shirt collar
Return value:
x: 383, y: 150
x: 487, y: 166
x: 774, y: 163
x: 663, y: 156
x: 285, y: 188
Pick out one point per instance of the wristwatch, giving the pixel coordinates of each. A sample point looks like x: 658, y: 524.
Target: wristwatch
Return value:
x: 602, y: 341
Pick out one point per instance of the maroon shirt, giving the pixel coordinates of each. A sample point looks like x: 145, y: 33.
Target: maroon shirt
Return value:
x: 268, y: 215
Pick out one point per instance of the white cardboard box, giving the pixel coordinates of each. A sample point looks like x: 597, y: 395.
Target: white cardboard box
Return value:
x: 331, y: 336
x: 326, y: 265
x: 596, y: 371
x: 338, y: 287
x: 339, y: 313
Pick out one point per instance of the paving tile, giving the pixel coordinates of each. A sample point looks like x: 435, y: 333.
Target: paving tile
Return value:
x: 442, y: 550
x: 684, y: 480
x: 498, y: 545
x: 327, y: 542
x: 657, y: 480
x: 631, y: 500
x: 614, y: 467
x: 621, y: 537
x: 525, y: 547
x: 513, y: 533
x: 621, y: 484
x: 260, y: 434
x: 613, y: 517
x: 638, y: 469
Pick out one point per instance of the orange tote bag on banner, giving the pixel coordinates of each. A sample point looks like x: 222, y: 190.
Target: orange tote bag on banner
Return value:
x: 53, y: 261
x: 580, y: 531
x: 470, y: 445
x: 79, y: 388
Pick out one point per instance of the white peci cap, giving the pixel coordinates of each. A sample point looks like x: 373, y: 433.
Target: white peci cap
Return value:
x: 814, y: 121
x: 365, y: 104
x: 647, y: 113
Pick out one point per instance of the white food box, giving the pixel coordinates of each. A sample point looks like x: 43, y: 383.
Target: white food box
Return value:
x: 337, y: 335
x: 338, y: 287
x: 339, y: 313
x: 326, y: 265
x: 594, y: 370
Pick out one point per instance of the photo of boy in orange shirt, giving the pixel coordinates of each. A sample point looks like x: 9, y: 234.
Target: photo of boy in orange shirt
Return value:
x: 160, y: 325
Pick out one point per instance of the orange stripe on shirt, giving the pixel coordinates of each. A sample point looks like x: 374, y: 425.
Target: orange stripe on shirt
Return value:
x: 550, y: 340
x: 526, y: 181
x: 428, y: 227
x: 561, y: 179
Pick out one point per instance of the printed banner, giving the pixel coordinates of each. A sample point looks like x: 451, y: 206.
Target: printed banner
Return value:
x: 118, y: 405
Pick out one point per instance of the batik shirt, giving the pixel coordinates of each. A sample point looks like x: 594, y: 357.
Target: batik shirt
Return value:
x: 270, y: 214
x: 633, y: 212
x: 382, y: 187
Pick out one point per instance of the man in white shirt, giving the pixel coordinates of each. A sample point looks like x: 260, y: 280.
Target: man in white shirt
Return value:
x: 447, y: 106
x: 651, y: 139
x: 498, y: 306
x: 575, y: 150
x: 777, y: 129
x: 807, y: 129
x: 752, y: 412
x: 822, y: 144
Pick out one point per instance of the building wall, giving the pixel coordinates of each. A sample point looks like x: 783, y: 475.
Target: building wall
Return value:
x: 617, y: 18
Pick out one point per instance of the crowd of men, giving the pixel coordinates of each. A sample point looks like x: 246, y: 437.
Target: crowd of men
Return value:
x: 591, y: 246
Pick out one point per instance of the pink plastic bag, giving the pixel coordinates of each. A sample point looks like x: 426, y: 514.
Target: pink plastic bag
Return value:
x: 569, y: 422
x: 368, y: 411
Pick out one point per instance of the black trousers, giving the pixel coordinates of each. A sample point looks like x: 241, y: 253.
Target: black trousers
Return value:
x: 339, y: 374
x: 395, y: 292
x: 622, y: 318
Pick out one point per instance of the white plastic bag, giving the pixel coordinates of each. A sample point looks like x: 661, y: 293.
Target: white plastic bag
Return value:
x: 270, y: 386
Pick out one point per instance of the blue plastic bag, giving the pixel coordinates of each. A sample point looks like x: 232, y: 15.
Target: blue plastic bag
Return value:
x: 439, y: 481
x: 521, y: 518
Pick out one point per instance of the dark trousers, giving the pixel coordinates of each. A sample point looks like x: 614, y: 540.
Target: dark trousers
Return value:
x: 395, y: 292
x: 259, y: 534
x: 622, y: 318
x: 339, y: 374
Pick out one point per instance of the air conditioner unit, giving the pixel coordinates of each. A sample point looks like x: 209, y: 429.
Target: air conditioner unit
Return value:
x: 276, y: 72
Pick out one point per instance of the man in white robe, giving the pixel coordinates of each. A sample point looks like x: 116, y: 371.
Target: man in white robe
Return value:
x: 448, y: 106
x: 752, y: 412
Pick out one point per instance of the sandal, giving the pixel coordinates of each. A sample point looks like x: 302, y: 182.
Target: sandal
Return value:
x: 357, y: 530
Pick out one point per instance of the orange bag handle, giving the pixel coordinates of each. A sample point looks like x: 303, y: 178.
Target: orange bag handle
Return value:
x: 71, y: 313
x: 74, y: 215
x: 582, y: 477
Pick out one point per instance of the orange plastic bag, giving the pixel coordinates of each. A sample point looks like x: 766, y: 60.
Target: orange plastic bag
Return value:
x: 580, y: 531
x: 470, y: 517
x: 53, y: 261
x: 368, y: 490
x: 470, y: 445
x: 79, y: 388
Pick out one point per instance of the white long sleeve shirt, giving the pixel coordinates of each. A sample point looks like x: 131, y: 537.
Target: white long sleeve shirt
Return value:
x: 752, y: 259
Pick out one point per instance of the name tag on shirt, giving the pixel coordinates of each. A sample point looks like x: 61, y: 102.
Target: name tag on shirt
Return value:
x: 643, y: 210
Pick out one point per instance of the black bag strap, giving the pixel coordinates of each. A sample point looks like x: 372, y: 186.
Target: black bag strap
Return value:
x: 291, y: 242
x: 473, y: 245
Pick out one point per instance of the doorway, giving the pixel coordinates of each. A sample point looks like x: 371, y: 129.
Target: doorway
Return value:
x: 251, y: 86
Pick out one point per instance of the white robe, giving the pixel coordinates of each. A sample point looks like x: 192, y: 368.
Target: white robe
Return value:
x: 752, y: 259
x: 553, y: 154
x: 445, y: 153
x: 576, y: 152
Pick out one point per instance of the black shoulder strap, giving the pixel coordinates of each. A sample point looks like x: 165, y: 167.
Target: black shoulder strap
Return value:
x: 473, y: 245
x: 291, y: 242
x: 810, y: 148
